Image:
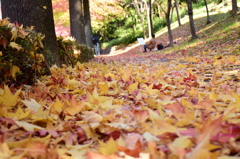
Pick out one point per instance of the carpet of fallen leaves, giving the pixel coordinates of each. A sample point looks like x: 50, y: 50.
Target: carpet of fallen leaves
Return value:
x: 148, y: 106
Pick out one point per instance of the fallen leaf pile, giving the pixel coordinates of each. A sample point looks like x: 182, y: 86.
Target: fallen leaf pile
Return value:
x: 182, y: 108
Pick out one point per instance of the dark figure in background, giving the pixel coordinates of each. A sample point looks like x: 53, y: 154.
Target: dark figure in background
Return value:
x: 151, y: 44
x: 96, y: 44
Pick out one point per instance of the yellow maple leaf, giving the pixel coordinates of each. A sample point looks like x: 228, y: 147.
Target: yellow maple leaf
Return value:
x: 14, y: 32
x: 75, y: 107
x: 19, y: 114
x: 8, y: 99
x: 154, y: 116
x: 180, y: 143
x: 13, y: 71
x: 16, y: 46
x: 133, y: 87
x: 108, y: 148
x: 103, y: 87
x: 58, y: 106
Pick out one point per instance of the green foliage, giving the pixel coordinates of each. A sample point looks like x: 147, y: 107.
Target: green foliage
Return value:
x: 131, y: 30
x: 20, y: 61
x: 72, y: 52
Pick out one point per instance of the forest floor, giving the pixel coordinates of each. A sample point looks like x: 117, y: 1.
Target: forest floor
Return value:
x: 181, y: 102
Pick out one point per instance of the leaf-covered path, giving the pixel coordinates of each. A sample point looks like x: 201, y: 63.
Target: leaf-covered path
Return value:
x: 182, y: 104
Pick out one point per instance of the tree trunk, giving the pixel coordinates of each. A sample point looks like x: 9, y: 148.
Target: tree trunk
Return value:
x: 140, y: 15
x: 36, y: 13
x: 191, y: 21
x: 168, y: 21
x: 88, y: 27
x: 178, y: 15
x: 234, y: 7
x: 172, y: 13
x: 208, y: 17
x: 77, y: 24
x: 151, y: 32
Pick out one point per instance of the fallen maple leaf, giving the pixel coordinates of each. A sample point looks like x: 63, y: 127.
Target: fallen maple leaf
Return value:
x: 8, y: 99
x: 132, y: 152
x: 108, y: 148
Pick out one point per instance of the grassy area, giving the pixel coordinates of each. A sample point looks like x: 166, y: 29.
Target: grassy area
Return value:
x: 219, y: 36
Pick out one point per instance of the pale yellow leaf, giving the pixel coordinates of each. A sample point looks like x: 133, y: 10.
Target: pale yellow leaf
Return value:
x: 16, y: 46
x: 33, y: 105
x: 28, y: 126
x: 14, y: 32
x: 180, y: 143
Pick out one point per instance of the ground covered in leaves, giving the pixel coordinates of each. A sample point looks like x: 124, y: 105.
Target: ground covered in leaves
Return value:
x: 182, y: 104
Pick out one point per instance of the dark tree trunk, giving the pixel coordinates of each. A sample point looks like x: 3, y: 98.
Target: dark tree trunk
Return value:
x: 36, y: 13
x: 178, y: 15
x: 168, y: 21
x: 191, y: 21
x: 234, y: 7
x: 208, y: 17
x: 77, y: 23
x: 88, y: 27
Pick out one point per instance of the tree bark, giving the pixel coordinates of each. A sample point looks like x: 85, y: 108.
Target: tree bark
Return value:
x: 151, y: 31
x: 36, y: 13
x: 77, y: 24
x: 168, y: 22
x: 208, y: 17
x: 88, y: 27
x: 139, y: 7
x: 191, y: 21
x: 172, y: 13
x: 178, y: 15
x: 234, y: 7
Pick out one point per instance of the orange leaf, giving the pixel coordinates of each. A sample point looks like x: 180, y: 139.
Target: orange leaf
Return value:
x: 134, y: 152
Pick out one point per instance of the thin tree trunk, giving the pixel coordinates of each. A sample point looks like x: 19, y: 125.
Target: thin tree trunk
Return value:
x: 38, y: 14
x: 172, y: 13
x: 178, y: 15
x: 191, y: 21
x: 208, y: 17
x: 141, y: 16
x: 234, y: 7
x: 88, y: 27
x: 150, y: 19
x: 77, y: 23
x: 169, y: 22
